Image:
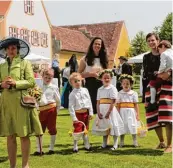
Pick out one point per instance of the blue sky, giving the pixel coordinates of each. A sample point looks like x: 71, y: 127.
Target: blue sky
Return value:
x: 138, y: 15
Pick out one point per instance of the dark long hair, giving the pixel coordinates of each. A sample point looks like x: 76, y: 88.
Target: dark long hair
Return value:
x: 90, y: 56
x: 73, y: 64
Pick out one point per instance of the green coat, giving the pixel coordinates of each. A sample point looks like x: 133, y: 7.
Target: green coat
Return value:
x: 15, y: 119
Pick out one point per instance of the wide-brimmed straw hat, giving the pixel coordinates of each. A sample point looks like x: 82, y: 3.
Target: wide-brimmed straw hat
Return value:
x: 22, y: 46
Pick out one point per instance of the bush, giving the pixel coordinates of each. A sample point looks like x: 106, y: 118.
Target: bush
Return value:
x: 137, y: 68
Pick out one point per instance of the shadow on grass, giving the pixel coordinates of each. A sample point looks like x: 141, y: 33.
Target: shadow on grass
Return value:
x: 60, y: 115
x: 135, y: 151
x: 3, y: 159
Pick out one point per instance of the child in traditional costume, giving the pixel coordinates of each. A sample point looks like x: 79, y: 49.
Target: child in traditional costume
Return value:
x: 128, y: 108
x: 166, y: 65
x: 108, y: 120
x: 48, y: 106
x: 80, y: 108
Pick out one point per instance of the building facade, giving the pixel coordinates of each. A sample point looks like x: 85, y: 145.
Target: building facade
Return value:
x: 28, y: 20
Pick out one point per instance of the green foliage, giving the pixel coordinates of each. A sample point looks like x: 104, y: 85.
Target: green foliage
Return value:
x: 137, y: 68
x: 165, y: 30
x: 138, y: 45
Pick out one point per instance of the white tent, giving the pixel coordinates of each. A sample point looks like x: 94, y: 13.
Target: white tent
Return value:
x: 34, y: 57
x: 137, y: 59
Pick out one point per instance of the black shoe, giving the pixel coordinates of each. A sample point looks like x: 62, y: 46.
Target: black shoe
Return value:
x: 75, y: 151
x: 38, y: 153
x: 88, y: 149
x: 51, y: 152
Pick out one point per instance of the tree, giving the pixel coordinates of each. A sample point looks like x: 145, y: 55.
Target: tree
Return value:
x: 138, y: 45
x: 165, y: 30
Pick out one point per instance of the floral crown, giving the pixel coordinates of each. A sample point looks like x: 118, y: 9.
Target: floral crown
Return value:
x: 109, y: 71
x: 126, y: 76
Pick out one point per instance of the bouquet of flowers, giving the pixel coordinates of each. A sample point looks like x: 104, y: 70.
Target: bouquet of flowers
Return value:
x: 35, y: 92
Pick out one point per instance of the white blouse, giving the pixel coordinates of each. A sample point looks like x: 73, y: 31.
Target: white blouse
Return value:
x: 66, y: 73
x: 109, y: 92
x: 95, y: 68
x: 130, y: 96
x: 50, y: 95
x: 79, y: 99
x: 166, y: 60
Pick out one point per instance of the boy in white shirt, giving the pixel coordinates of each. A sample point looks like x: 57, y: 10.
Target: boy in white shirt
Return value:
x: 80, y: 108
x: 48, y: 106
x: 166, y: 65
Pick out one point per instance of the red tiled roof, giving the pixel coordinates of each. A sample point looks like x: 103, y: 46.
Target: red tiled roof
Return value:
x: 109, y: 32
x: 4, y: 5
x: 71, y: 40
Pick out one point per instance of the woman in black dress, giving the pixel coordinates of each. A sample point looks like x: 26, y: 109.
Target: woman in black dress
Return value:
x: 91, y: 64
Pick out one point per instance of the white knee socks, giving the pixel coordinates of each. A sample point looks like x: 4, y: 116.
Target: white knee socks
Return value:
x: 86, y: 141
x: 135, y: 143
x: 153, y: 95
x: 122, y: 140
x: 39, y: 143
x: 75, y: 147
x: 52, y: 142
x: 115, y: 146
x: 105, y: 139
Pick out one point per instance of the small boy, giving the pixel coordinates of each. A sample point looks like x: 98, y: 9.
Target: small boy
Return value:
x: 48, y: 106
x: 80, y: 108
x: 166, y: 65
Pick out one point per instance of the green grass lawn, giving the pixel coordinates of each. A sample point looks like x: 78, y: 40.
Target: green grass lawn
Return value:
x: 143, y: 157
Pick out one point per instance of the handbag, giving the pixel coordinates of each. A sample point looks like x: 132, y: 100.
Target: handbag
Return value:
x: 26, y: 99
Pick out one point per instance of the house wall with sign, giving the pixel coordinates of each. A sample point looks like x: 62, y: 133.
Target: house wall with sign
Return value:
x: 27, y: 19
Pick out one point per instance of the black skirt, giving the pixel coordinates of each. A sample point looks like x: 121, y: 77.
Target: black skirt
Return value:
x: 92, y: 84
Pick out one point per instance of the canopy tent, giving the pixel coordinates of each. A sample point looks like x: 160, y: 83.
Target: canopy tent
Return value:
x: 137, y: 59
x: 36, y: 58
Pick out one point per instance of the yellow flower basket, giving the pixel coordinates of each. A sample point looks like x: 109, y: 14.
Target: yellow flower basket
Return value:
x: 142, y: 130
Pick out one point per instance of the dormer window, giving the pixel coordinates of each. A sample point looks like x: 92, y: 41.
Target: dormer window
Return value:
x: 29, y: 7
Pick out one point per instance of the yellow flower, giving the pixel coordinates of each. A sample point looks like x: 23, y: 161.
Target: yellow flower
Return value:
x: 85, y: 131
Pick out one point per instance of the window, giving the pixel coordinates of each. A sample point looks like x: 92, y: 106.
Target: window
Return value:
x: 13, y: 32
x: 44, y: 40
x: 24, y: 34
x: 29, y: 7
x: 35, y: 38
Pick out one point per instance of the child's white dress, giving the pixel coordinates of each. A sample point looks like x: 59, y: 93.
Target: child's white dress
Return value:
x: 128, y: 115
x: 114, y: 123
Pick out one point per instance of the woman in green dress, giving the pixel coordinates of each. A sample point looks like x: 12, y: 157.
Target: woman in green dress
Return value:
x: 16, y: 75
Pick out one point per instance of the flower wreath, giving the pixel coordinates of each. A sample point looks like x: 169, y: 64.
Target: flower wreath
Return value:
x: 109, y: 71
x: 126, y: 76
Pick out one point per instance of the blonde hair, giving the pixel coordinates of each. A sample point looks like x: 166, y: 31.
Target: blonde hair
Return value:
x: 48, y: 72
x: 166, y: 43
x: 73, y: 76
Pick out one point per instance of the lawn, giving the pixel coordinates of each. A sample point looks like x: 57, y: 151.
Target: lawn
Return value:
x: 143, y: 157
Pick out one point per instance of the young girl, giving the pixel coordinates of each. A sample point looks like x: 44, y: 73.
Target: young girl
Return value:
x: 128, y: 108
x: 108, y: 120
x: 80, y: 108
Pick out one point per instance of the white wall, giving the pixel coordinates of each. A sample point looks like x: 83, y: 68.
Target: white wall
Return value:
x: 18, y: 18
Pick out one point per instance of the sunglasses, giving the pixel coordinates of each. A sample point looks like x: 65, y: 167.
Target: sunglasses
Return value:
x: 76, y: 81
